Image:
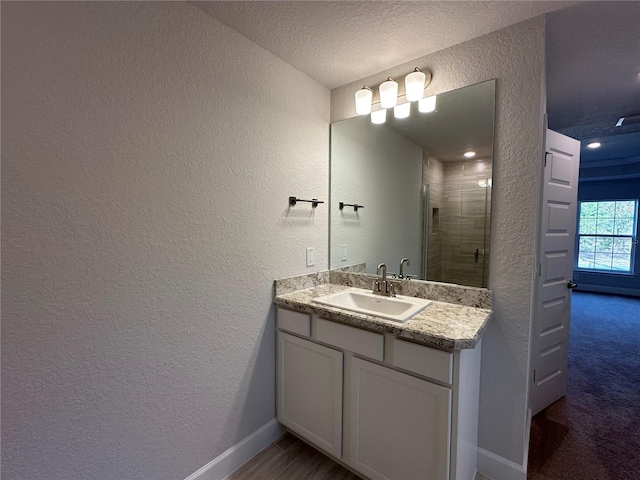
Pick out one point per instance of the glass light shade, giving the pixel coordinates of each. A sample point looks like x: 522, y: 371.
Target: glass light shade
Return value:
x: 364, y: 96
x: 414, y: 86
x: 594, y: 145
x: 379, y: 116
x: 426, y: 105
x: 470, y: 154
x: 402, y: 111
x: 388, y: 93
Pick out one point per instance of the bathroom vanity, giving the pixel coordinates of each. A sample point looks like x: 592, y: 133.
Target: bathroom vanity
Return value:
x: 390, y: 400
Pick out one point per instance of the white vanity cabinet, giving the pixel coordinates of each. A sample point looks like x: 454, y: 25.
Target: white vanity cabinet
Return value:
x: 386, y: 407
x: 400, y: 424
x: 309, y: 395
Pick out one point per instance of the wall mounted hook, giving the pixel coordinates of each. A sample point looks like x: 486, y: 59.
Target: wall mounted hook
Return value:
x: 314, y: 201
x: 354, y: 205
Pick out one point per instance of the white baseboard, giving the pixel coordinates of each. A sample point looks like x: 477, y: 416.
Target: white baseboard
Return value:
x: 499, y: 468
x: 228, y: 462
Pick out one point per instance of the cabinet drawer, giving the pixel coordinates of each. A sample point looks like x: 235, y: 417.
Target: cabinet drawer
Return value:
x: 355, y: 340
x: 423, y: 360
x: 294, y: 322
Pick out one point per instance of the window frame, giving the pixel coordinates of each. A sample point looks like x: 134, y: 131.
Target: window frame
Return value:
x: 634, y: 239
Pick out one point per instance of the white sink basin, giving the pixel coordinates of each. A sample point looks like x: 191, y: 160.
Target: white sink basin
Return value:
x: 399, y: 308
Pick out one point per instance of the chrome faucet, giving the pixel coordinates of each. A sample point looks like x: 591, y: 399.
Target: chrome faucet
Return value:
x: 402, y: 262
x: 381, y: 286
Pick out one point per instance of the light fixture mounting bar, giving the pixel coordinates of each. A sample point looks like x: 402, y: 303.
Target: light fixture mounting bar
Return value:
x: 401, y: 87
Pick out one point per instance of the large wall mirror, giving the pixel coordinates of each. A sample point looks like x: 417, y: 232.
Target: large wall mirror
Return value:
x: 422, y: 198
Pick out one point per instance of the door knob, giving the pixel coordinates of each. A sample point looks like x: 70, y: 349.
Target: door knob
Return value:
x: 570, y: 284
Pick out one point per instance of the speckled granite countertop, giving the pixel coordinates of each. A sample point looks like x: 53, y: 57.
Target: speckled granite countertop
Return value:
x: 446, y: 325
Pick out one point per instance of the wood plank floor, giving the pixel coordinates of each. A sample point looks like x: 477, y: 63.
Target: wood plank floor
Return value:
x: 289, y: 458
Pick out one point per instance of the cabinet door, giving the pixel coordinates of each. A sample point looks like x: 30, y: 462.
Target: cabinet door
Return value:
x: 309, y: 378
x: 400, y: 425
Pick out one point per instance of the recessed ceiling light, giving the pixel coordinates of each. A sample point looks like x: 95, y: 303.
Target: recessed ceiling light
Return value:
x: 594, y: 145
x: 470, y: 154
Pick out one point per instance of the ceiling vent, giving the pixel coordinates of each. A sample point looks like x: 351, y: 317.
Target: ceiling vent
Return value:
x: 628, y: 120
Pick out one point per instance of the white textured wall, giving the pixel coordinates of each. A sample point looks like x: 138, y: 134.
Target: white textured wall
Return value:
x: 374, y: 166
x: 515, y: 56
x: 147, y: 153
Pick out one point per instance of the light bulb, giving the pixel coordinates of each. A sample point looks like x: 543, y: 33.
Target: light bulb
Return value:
x: 402, y: 111
x: 364, y: 96
x: 388, y: 93
x: 379, y: 116
x: 470, y: 154
x: 426, y: 105
x: 414, y: 85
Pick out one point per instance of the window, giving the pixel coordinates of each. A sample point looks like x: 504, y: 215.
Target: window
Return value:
x: 606, y: 235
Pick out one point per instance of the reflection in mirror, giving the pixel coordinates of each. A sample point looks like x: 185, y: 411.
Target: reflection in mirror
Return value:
x: 422, y: 198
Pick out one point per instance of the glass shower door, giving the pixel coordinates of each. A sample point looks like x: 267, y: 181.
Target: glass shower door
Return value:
x: 456, y: 232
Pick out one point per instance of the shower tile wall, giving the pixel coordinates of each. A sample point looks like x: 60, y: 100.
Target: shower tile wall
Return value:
x: 433, y: 175
x: 460, y: 227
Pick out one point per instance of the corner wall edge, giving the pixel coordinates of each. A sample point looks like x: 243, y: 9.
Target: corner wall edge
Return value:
x: 237, y: 455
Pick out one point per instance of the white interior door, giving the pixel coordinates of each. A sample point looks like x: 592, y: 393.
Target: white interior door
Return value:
x: 555, y: 271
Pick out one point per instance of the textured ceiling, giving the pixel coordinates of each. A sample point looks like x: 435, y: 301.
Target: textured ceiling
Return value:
x: 593, y: 68
x: 593, y: 78
x: 593, y: 49
x: 340, y: 42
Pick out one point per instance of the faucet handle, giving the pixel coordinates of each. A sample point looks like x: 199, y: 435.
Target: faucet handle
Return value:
x: 392, y: 289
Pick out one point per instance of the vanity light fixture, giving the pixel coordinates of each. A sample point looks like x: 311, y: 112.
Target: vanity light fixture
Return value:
x: 379, y: 116
x: 414, y: 85
x: 594, y: 145
x: 388, y: 96
x: 402, y: 111
x: 470, y: 154
x: 426, y: 105
x: 388, y: 93
x: 364, y: 98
